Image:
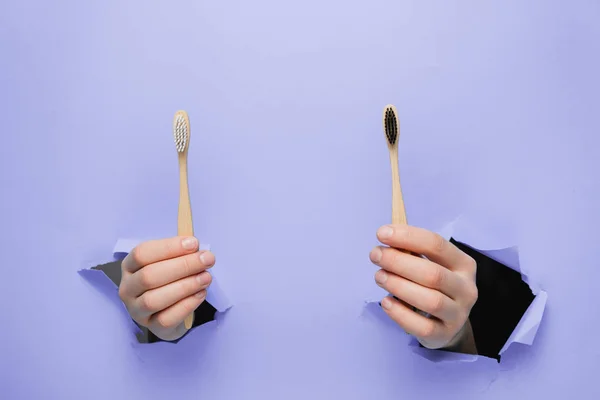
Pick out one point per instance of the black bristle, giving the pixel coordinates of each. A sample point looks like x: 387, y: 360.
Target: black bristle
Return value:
x: 391, y: 126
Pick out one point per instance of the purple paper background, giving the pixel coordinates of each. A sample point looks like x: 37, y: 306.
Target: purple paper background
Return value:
x: 289, y: 180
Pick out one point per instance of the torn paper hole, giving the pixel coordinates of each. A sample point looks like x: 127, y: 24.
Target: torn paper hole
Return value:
x: 525, y: 331
x: 104, y: 281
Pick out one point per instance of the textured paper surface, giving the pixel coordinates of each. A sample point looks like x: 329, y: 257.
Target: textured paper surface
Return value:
x: 289, y: 175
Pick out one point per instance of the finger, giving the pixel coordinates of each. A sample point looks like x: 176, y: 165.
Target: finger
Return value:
x: 428, y: 300
x: 154, y: 251
x: 419, y: 270
x: 173, y: 316
x: 413, y: 323
x: 156, y: 300
x: 164, y: 272
x: 430, y: 244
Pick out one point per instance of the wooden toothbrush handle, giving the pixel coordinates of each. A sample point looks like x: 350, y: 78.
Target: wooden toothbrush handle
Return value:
x: 185, y: 226
x: 398, y: 210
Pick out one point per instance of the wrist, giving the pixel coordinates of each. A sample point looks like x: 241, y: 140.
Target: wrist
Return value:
x: 464, y: 341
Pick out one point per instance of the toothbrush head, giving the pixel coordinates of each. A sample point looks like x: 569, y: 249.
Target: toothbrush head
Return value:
x: 181, y: 131
x: 391, y: 125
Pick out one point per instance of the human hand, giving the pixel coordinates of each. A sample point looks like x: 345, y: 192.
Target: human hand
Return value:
x: 442, y: 285
x: 163, y: 281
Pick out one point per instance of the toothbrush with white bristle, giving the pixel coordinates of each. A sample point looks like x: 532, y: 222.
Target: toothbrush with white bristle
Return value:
x: 185, y: 227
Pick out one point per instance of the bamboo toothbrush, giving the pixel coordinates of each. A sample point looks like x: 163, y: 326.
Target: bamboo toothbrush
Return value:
x: 391, y: 127
x: 185, y: 227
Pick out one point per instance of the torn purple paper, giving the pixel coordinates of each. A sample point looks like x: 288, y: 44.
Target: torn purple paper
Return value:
x: 482, y: 241
x: 100, y: 281
x: 104, y: 285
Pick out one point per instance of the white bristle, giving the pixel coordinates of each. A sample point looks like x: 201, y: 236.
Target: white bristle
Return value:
x: 180, y: 132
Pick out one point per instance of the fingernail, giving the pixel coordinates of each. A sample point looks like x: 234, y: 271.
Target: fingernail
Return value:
x: 205, y: 258
x: 381, y: 276
x: 202, y: 278
x: 376, y: 255
x: 201, y: 294
x: 386, y: 303
x: 189, y: 243
x: 385, y: 232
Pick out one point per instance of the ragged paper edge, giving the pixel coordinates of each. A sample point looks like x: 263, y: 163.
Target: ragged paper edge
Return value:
x: 525, y: 331
x: 101, y: 282
x: 215, y: 295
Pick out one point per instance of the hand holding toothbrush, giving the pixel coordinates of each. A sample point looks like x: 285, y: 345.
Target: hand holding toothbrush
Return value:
x: 163, y: 282
x: 432, y: 296
x: 442, y: 285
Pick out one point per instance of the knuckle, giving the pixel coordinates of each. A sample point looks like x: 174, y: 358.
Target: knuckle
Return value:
x: 427, y: 330
x: 124, y: 262
x: 439, y: 243
x: 472, y: 294
x: 436, y: 304
x: 122, y: 293
x: 404, y: 232
x: 145, y: 278
x: 137, y: 255
x: 170, y: 248
x: 188, y: 286
x: 471, y: 264
x: 163, y: 322
x: 435, y: 278
x: 146, y: 303
x: 396, y: 259
x: 187, y: 264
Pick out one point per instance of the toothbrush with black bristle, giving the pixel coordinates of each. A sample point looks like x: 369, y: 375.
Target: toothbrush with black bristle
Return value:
x: 391, y: 128
x: 185, y: 227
